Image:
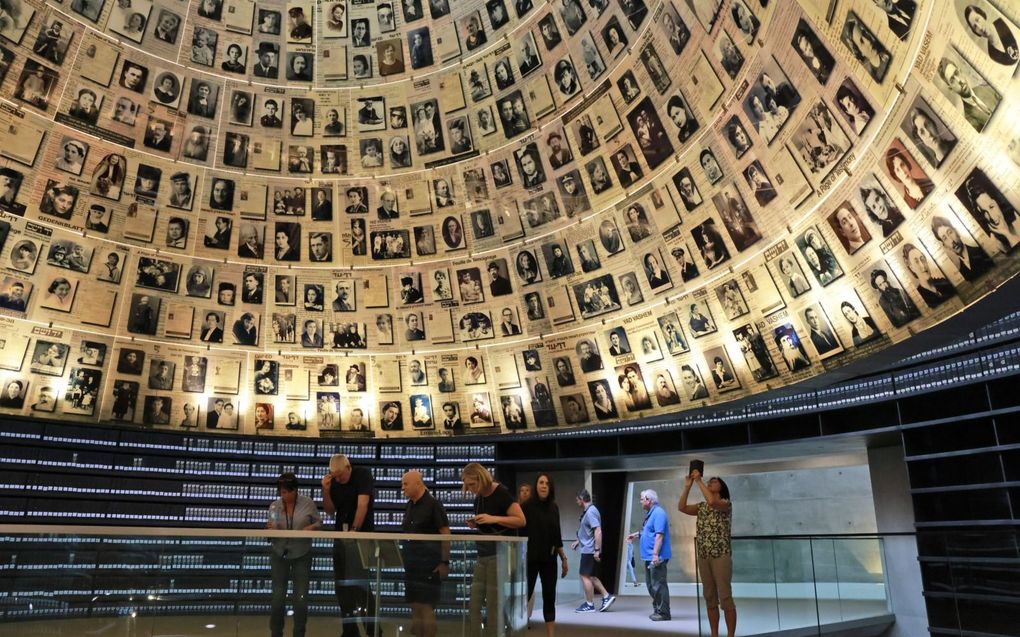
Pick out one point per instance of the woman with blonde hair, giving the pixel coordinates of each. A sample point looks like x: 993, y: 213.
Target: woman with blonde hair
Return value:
x: 496, y: 513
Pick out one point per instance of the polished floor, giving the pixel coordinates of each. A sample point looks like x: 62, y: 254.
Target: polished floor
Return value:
x: 629, y: 616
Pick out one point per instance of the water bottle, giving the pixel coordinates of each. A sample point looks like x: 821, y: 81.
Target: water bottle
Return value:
x: 275, y: 513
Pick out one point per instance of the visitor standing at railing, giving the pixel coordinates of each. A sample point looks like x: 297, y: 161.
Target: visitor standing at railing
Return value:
x: 496, y: 513
x: 426, y: 563
x: 545, y: 543
x: 713, y: 547
x: 349, y: 492
x: 291, y: 558
x: 655, y: 551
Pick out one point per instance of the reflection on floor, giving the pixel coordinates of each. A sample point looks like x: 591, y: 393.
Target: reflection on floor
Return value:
x: 629, y: 616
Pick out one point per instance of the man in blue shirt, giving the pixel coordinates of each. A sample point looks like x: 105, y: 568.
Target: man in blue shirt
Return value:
x: 589, y: 541
x: 655, y: 551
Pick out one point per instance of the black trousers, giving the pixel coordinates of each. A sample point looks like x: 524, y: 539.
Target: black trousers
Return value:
x: 547, y: 571
x: 352, y: 591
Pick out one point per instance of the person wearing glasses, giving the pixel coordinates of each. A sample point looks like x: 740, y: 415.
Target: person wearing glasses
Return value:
x: 291, y: 558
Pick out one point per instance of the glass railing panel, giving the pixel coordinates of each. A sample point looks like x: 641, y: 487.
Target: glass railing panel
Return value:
x: 861, y: 577
x: 805, y: 582
x: 150, y: 581
x: 754, y: 586
x: 795, y: 584
x: 826, y: 575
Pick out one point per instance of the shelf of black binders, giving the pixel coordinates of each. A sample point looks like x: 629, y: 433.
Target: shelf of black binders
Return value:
x: 53, y: 473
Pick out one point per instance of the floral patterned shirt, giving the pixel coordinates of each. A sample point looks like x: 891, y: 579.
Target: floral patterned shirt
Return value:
x: 713, y: 531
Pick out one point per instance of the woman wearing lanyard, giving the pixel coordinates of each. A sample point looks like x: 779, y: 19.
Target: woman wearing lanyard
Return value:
x: 291, y: 558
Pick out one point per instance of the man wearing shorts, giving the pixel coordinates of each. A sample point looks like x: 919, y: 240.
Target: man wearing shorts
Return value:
x: 589, y: 542
x: 426, y: 563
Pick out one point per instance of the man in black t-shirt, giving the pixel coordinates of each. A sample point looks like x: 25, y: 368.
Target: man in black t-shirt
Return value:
x: 349, y: 493
x: 426, y: 564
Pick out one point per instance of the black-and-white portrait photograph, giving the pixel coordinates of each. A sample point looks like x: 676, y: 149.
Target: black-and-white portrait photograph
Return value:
x: 787, y: 271
x: 49, y: 358
x: 70, y: 255
x: 53, y: 40
x: 925, y: 276
x: 203, y: 46
x: 819, y: 142
x: 732, y: 300
x: 36, y: 84
x: 565, y: 78
x: 818, y: 255
x: 746, y: 23
x: 300, y: 67
x: 812, y: 52
x: 92, y: 8
x: 883, y: 213
x: 597, y: 296
x: 557, y: 260
x: 770, y: 102
x: 684, y: 260
x: 656, y: 274
x: 988, y: 206
x: 759, y: 183
x: 653, y: 65
x: 513, y: 114
x: 909, y: 179
x: 755, y: 352
x: 706, y: 12
x: 573, y: 15
x: 990, y: 30
x: 966, y: 89
x: 15, y: 294
x: 474, y: 326
x: 724, y: 376
x: 888, y: 292
x: 203, y: 99
x: 820, y: 332
x: 632, y: 386
x: 59, y: 199
x: 736, y: 217
x: 82, y: 391
x: 866, y: 47
x: 11, y: 180
x: 699, y: 318
x: 967, y: 257
x: 729, y: 56
x: 853, y: 106
x: 158, y: 274
x: 737, y: 136
x: 129, y: 18
x: 528, y: 58
x: 929, y: 133
x: 166, y: 88
x: 791, y: 349
x: 710, y: 243
x: 849, y: 229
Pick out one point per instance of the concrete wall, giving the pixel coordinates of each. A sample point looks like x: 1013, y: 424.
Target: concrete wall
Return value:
x: 813, y: 500
x: 894, y: 512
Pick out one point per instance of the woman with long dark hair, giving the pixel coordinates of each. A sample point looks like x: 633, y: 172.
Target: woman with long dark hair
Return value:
x: 545, y: 543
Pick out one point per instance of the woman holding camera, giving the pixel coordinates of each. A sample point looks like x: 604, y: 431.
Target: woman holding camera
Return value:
x: 291, y: 557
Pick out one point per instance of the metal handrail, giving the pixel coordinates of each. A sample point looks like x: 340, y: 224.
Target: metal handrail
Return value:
x: 167, y: 531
